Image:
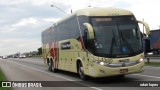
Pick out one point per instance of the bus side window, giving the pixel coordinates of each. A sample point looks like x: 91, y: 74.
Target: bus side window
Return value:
x: 85, y: 38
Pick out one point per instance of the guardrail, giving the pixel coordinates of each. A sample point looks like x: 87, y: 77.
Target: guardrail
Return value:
x: 36, y: 56
x: 148, y: 57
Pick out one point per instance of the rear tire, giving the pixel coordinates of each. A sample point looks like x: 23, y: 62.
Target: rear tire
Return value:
x: 54, y: 69
x: 50, y: 66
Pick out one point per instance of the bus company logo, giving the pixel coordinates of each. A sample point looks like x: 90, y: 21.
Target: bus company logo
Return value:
x: 65, y: 45
x: 6, y: 84
x: 123, y: 64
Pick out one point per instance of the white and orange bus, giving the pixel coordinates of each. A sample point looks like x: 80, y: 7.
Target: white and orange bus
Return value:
x: 96, y: 42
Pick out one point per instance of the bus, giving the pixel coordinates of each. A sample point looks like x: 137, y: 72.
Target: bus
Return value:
x: 95, y: 42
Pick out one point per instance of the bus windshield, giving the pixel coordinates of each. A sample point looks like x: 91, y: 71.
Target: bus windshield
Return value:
x: 116, y: 36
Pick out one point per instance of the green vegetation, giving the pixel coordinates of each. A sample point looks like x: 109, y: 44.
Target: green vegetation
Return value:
x: 156, y: 64
x: 39, y: 51
x: 2, y: 78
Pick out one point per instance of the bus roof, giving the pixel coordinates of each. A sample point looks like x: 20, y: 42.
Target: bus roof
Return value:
x: 103, y: 12
x: 97, y: 12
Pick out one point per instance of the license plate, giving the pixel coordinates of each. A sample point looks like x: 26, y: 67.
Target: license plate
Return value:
x: 123, y: 70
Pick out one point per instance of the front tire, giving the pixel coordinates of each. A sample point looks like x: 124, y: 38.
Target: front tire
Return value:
x: 81, y: 71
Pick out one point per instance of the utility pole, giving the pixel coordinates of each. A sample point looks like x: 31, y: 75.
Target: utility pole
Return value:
x: 59, y: 9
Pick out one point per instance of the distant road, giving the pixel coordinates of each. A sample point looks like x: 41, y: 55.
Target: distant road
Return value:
x: 33, y: 69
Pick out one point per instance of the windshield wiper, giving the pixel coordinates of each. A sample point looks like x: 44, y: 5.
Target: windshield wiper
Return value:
x: 112, y: 43
x: 127, y: 44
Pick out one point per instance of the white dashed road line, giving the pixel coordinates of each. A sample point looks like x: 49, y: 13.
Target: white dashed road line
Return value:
x: 56, y: 75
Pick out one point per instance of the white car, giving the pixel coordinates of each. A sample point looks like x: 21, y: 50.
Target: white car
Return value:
x: 22, y: 56
x: 4, y: 57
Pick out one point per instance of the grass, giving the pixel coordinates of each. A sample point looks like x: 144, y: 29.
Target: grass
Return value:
x: 2, y: 78
x: 156, y: 64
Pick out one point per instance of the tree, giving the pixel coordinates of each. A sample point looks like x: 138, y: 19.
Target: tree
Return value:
x: 40, y: 51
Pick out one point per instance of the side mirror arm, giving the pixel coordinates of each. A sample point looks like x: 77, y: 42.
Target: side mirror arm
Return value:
x: 146, y: 27
x: 90, y: 30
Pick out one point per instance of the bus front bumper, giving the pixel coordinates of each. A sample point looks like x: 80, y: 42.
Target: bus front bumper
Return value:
x: 106, y: 71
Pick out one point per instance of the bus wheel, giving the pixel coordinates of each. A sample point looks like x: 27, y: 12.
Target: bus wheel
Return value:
x: 54, y: 69
x: 81, y: 72
x: 50, y: 65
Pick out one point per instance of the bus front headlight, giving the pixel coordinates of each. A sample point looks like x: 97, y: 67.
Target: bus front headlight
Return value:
x: 140, y: 60
x: 100, y: 63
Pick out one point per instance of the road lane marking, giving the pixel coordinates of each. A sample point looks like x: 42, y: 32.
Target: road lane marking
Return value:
x: 146, y: 75
x: 55, y: 75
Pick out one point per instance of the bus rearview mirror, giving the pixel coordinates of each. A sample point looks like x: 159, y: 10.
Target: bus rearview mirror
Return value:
x: 146, y: 27
x: 90, y: 30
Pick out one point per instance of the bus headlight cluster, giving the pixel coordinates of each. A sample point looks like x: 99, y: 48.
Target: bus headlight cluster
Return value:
x: 100, y: 63
x: 140, y: 60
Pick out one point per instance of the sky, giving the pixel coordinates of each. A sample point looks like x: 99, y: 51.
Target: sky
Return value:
x: 22, y: 21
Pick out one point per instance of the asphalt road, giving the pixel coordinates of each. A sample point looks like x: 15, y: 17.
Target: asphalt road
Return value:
x: 33, y: 69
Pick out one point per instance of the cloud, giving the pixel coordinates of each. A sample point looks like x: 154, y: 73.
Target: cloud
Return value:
x: 53, y: 20
x: 11, y: 2
x: 8, y: 46
x: 22, y: 21
x: 6, y: 29
x: 148, y: 12
x: 142, y: 9
x: 26, y: 22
